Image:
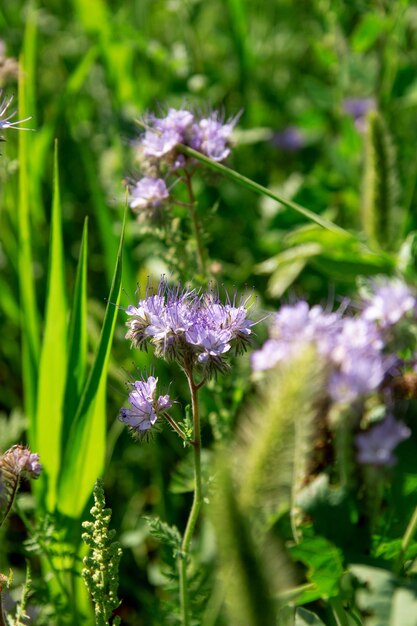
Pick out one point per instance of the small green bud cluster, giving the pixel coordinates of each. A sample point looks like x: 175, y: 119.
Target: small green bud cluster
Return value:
x: 100, y: 571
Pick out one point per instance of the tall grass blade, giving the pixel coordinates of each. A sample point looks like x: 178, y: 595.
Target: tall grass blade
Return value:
x: 53, y: 359
x: 28, y: 305
x: 84, y: 453
x: 77, y: 339
x: 257, y: 188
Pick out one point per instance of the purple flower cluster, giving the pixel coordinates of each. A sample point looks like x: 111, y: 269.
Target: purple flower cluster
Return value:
x: 146, y: 406
x: 19, y: 460
x: 158, y: 149
x: 361, y: 352
x: 194, y: 328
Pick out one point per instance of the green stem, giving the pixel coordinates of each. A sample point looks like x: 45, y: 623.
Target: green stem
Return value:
x: 175, y: 427
x: 195, y: 509
x: 2, y: 617
x: 339, y: 613
x: 250, y: 184
x: 201, y: 260
x: 406, y: 540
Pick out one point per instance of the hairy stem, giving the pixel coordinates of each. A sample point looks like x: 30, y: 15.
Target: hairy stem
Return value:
x: 201, y: 257
x: 175, y: 426
x: 195, y: 509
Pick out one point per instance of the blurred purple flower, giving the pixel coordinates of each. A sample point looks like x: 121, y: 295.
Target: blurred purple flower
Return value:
x: 376, y: 445
x: 289, y: 139
x: 358, y: 108
x: 145, y: 405
x: 294, y: 326
x: 391, y: 300
x: 148, y: 192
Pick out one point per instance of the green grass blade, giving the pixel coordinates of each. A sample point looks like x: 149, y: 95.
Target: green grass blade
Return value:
x: 53, y: 360
x: 250, y: 184
x: 29, y: 310
x: 85, y: 446
x: 77, y: 339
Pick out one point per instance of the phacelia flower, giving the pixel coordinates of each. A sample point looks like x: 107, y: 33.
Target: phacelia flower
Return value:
x: 194, y: 328
x: 390, y: 301
x: 148, y: 192
x: 145, y: 404
x: 376, y: 445
x: 291, y: 328
x: 211, y: 137
x: 21, y: 461
x: 165, y: 134
x: 5, y: 119
x: 352, y: 348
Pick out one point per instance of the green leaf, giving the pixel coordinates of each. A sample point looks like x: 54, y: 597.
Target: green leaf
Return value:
x: 324, y: 562
x: 85, y: 447
x: 306, y: 618
x: 29, y: 311
x: 77, y: 341
x: 53, y: 360
x: 369, y: 29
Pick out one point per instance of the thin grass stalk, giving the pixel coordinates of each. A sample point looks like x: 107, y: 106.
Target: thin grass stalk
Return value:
x: 257, y: 188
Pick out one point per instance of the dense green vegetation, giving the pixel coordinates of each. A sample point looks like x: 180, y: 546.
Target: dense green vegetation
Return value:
x: 327, y: 95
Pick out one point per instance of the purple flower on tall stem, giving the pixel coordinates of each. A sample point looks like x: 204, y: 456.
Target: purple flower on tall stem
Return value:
x: 194, y: 328
x: 145, y: 404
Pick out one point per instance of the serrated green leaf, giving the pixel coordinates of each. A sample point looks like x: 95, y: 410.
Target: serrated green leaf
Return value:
x: 53, y: 359
x: 84, y: 453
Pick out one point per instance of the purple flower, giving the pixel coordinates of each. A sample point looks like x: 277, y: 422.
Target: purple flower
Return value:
x: 211, y: 137
x: 192, y: 328
x: 5, y: 121
x: 391, y: 300
x: 20, y: 460
x: 145, y: 405
x: 294, y: 326
x: 148, y: 192
x: 289, y: 139
x: 376, y: 445
x: 358, y: 108
x: 166, y: 133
